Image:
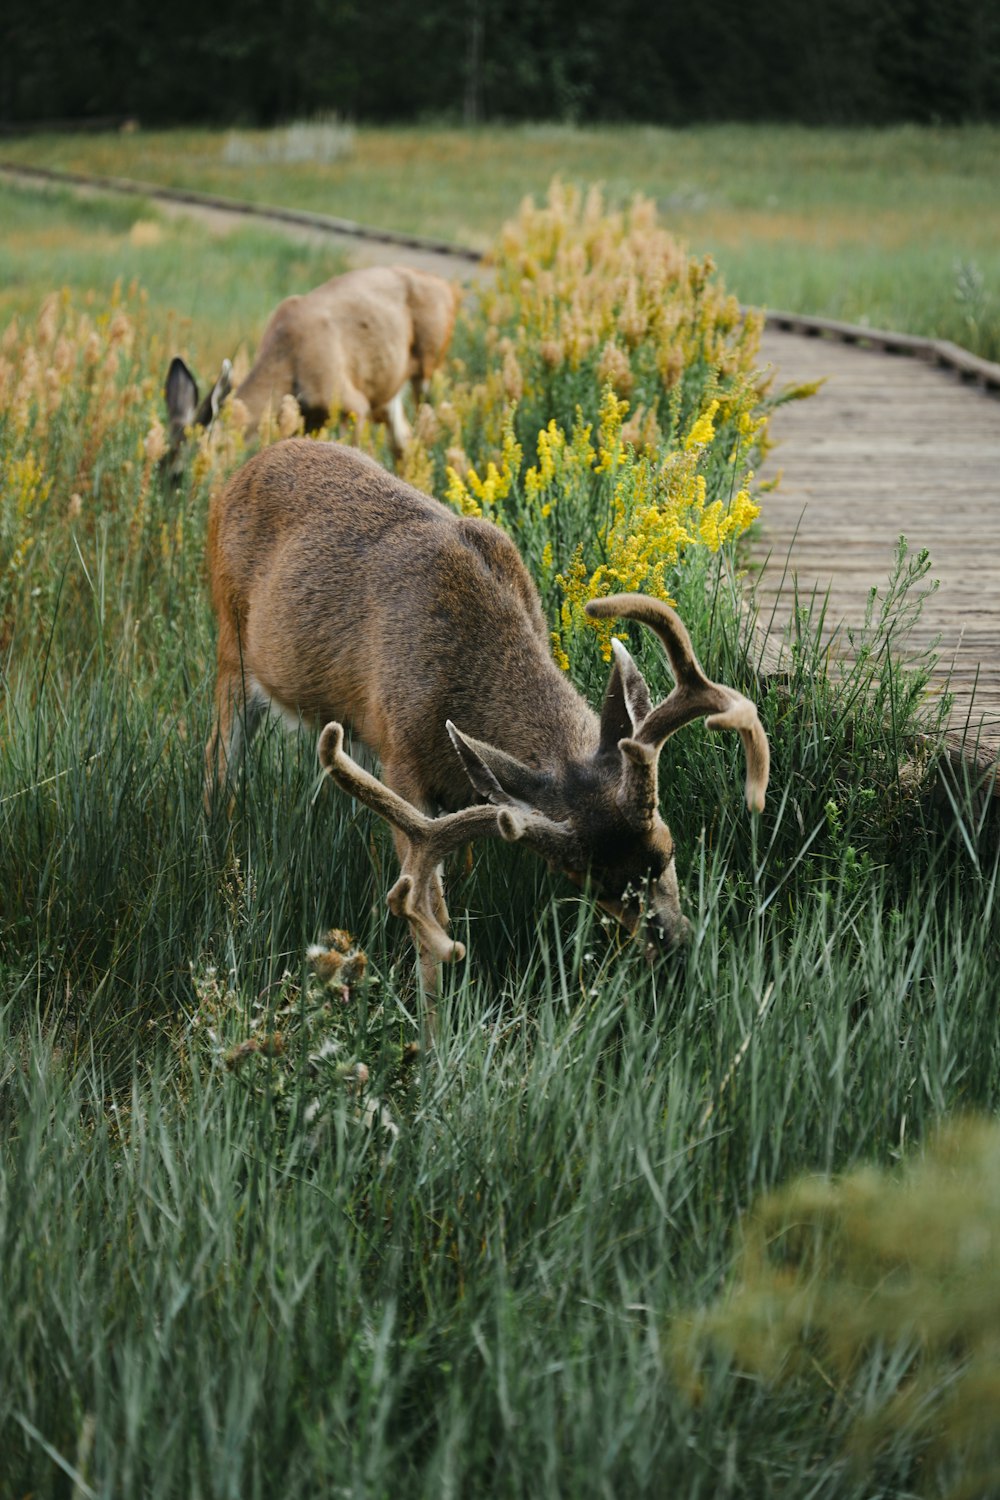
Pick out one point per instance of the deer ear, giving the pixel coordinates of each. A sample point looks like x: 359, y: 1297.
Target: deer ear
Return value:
x: 496, y: 775
x: 626, y: 700
x: 181, y: 392
x: 209, y: 408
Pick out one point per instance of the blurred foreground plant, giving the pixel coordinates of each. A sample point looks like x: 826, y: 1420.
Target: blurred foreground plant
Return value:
x: 884, y: 1288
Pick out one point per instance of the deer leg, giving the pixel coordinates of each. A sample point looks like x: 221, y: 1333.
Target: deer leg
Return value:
x: 239, y: 710
x: 399, y: 428
x: 406, y: 900
x: 422, y: 842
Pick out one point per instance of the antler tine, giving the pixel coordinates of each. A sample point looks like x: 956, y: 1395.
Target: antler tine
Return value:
x: 693, y: 696
x: 742, y: 716
x: 429, y: 840
x: 667, y: 624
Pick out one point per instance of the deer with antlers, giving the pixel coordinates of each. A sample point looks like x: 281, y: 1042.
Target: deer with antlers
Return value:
x: 350, y: 345
x: 345, y: 597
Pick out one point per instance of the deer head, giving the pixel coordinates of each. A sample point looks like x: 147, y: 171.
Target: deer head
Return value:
x: 185, y: 410
x: 597, y: 818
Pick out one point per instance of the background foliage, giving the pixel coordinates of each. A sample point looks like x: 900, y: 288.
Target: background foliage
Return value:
x: 843, y: 62
x: 897, y: 228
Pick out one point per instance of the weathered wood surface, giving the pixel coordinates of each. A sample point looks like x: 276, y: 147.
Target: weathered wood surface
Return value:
x: 890, y: 445
x: 938, y: 351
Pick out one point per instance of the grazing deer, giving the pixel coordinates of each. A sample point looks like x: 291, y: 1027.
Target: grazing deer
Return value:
x: 344, y: 595
x: 349, y: 345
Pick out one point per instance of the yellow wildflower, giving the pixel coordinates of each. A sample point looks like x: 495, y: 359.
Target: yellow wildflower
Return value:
x: 20, y: 553
x: 27, y: 484
x: 427, y: 428
x: 613, y: 369
x: 550, y: 446
x: 417, y: 466
x: 237, y: 414
x: 742, y: 513
x: 561, y: 659
x: 513, y: 376
x: 486, y: 490
x: 458, y: 495
x: 703, y: 430
x: 610, y: 445
x: 709, y: 529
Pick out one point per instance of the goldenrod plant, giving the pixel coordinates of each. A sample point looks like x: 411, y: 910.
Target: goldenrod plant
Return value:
x: 617, y: 363
x: 604, y: 406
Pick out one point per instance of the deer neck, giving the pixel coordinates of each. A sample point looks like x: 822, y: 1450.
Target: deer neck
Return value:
x: 255, y: 393
x: 555, y: 726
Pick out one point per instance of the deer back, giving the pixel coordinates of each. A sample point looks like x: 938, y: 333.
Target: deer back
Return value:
x: 433, y: 305
x: 349, y: 344
x: 351, y: 596
x: 351, y: 336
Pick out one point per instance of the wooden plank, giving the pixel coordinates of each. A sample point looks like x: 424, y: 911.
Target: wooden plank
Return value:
x: 887, y: 447
x: 939, y: 352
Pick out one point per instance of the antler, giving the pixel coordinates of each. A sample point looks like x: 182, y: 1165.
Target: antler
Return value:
x: 693, y: 696
x: 416, y: 894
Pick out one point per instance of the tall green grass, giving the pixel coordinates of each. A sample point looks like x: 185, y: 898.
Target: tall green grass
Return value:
x: 251, y: 1245
x: 227, y: 1280
x: 208, y: 1295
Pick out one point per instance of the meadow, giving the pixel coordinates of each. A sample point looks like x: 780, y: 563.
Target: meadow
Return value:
x: 252, y: 1243
x: 895, y: 227
x: 206, y: 293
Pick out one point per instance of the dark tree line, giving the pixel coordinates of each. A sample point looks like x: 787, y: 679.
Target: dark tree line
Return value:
x: 814, y: 61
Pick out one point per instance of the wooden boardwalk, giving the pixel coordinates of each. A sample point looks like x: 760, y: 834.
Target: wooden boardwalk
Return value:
x: 889, y: 445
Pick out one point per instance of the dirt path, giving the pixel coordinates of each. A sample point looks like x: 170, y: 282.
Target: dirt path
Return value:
x: 365, y: 246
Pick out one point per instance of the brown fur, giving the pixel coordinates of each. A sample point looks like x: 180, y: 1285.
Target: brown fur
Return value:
x: 348, y: 595
x: 344, y: 595
x: 349, y: 345
x: 352, y: 344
